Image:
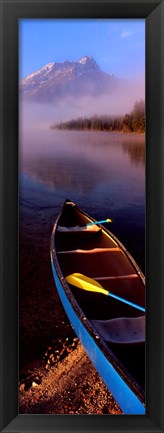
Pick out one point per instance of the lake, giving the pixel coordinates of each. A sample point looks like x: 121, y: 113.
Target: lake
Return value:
x: 103, y: 173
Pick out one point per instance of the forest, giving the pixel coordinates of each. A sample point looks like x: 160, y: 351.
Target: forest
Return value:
x: 132, y: 122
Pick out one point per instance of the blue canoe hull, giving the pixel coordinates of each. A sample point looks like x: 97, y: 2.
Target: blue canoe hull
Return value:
x: 123, y: 394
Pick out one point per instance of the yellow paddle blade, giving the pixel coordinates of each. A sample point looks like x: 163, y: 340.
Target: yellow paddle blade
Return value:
x: 85, y: 283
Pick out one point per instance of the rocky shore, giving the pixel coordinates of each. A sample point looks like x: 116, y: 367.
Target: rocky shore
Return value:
x: 55, y: 374
x: 70, y: 386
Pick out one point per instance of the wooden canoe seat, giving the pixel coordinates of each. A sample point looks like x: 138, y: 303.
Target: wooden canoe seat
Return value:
x: 122, y: 330
x: 77, y: 229
x: 92, y: 251
x: 118, y: 277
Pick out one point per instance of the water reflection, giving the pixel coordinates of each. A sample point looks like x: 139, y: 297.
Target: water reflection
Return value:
x: 65, y: 172
x: 136, y: 152
x: 103, y: 173
x: 80, y: 159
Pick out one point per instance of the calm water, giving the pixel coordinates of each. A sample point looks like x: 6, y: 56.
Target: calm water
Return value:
x: 104, y: 173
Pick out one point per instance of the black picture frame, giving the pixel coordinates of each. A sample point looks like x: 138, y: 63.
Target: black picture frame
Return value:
x: 153, y: 12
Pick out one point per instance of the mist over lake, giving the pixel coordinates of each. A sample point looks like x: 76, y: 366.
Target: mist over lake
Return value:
x: 104, y: 173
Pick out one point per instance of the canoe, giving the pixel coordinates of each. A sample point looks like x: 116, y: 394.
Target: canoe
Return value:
x: 88, y: 261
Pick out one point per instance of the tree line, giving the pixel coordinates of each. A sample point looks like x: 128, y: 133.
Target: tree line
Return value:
x: 133, y: 122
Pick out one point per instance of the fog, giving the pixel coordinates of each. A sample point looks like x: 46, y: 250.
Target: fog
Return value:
x: 40, y: 116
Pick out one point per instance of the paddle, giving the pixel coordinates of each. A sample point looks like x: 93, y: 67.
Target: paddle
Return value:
x: 91, y: 285
x: 99, y: 222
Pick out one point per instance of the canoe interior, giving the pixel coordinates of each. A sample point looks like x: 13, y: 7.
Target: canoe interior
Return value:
x: 114, y: 272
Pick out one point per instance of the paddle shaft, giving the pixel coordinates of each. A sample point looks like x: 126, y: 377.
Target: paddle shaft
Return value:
x: 99, y: 222
x: 125, y: 301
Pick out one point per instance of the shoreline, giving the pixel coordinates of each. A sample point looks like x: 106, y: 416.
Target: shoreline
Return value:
x: 138, y: 133
x: 71, y: 387
x: 51, y: 358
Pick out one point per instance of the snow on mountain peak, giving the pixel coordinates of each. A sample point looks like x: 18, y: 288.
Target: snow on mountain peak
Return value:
x: 48, y: 66
x: 44, y: 70
x: 85, y: 59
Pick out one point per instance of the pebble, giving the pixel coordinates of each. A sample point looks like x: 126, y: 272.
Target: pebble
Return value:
x: 62, y: 351
x: 69, y: 349
x: 57, y: 358
x: 47, y: 367
x: 34, y: 384
x: 60, y: 348
x: 22, y: 387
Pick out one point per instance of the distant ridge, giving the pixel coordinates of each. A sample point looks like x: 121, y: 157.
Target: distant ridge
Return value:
x: 57, y: 81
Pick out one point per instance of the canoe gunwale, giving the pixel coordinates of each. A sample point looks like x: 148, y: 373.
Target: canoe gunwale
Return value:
x: 121, y: 370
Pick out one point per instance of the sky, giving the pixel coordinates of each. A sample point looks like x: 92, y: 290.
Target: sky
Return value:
x: 117, y: 45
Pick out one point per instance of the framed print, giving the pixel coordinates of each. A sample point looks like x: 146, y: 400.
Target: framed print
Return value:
x: 94, y: 155
x: 78, y: 210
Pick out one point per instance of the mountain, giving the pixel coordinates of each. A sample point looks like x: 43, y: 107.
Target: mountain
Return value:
x: 58, y: 81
